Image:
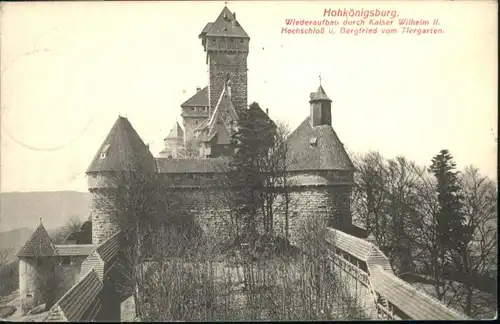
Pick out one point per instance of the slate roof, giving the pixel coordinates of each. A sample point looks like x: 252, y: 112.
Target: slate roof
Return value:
x: 123, y: 150
x: 38, y: 245
x: 413, y: 302
x: 81, y: 303
x: 327, y: 154
x: 225, y: 25
x: 416, y: 304
x: 355, y: 246
x: 199, y: 99
x: 75, y: 249
x: 108, y: 250
x: 320, y: 94
x: 211, y: 165
x: 176, y: 132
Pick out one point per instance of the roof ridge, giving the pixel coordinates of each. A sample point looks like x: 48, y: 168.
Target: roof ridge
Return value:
x: 419, y: 291
x: 74, y: 287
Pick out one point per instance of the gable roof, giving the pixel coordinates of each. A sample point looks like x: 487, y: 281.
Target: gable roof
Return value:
x: 38, y: 245
x: 327, y: 153
x: 413, y: 302
x: 225, y: 25
x: 223, y: 108
x: 176, y: 132
x: 123, y: 150
x: 320, y: 94
x: 81, y: 303
x: 199, y: 99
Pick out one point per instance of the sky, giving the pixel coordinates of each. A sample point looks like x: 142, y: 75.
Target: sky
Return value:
x: 68, y: 70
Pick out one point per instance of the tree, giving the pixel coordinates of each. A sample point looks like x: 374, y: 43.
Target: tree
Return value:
x: 476, y: 263
x: 192, y: 149
x: 451, y: 234
x: 252, y: 139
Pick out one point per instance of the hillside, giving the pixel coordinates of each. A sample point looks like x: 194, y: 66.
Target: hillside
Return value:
x: 12, y: 241
x: 24, y: 209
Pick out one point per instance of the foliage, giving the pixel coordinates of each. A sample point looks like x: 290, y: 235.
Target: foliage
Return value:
x: 419, y: 220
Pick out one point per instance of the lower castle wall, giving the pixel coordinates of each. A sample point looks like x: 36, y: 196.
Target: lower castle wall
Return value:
x: 68, y: 275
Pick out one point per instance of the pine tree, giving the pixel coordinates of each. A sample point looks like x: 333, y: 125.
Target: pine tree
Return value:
x: 251, y: 141
x: 450, y: 219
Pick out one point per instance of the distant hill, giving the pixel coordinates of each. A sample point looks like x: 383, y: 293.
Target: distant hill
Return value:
x: 13, y: 240
x: 20, y: 210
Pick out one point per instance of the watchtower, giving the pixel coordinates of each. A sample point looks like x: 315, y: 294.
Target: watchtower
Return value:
x: 122, y: 157
x: 227, y: 47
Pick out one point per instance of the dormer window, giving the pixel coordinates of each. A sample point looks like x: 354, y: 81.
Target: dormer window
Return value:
x: 313, y: 141
x: 104, y: 152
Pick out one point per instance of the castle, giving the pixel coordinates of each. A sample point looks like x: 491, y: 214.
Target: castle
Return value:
x: 321, y: 174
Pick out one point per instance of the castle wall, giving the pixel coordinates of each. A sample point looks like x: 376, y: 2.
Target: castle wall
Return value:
x: 37, y: 281
x: 68, y: 274
x: 324, y: 195
x: 222, y: 64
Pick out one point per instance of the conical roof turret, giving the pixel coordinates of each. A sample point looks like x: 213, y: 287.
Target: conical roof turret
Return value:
x: 319, y: 95
x: 123, y: 151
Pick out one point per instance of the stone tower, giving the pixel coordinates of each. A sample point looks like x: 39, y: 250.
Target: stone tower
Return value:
x: 227, y: 46
x: 121, y: 157
x: 37, y: 277
x: 194, y: 112
x: 174, y: 142
x: 321, y: 170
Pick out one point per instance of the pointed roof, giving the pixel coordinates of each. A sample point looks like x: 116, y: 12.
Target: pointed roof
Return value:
x: 123, y: 150
x: 38, y: 245
x: 317, y: 148
x: 225, y: 25
x: 176, y: 132
x: 320, y: 94
x: 223, y: 108
x: 199, y: 99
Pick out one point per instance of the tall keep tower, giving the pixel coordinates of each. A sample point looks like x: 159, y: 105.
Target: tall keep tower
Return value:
x: 121, y: 157
x: 227, y: 46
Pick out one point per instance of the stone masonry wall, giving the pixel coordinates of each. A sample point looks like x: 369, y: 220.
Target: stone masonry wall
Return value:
x: 36, y: 282
x: 68, y: 275
x: 104, y: 223
x: 329, y: 203
x: 235, y: 65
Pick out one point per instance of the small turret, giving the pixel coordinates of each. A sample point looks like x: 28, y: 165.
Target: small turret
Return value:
x: 174, y: 141
x: 37, y: 259
x: 321, y: 108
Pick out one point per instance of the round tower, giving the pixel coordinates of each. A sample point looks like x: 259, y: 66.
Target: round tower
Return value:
x: 37, y: 278
x: 122, y: 157
x: 321, y: 172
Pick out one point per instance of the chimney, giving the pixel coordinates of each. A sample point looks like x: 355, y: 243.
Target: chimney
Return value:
x: 267, y: 111
x: 198, y: 89
x: 234, y: 15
